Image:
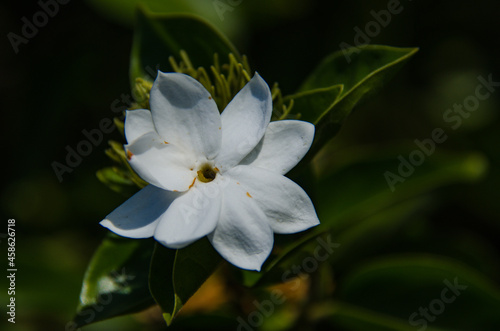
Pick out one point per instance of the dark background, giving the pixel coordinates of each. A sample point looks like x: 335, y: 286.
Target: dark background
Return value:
x: 66, y: 78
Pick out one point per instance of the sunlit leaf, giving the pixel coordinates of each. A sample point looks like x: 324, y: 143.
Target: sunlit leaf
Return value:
x: 116, y: 281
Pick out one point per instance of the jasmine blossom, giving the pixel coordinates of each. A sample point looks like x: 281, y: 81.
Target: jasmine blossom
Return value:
x: 219, y: 175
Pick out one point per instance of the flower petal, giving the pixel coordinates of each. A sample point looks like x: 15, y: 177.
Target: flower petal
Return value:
x: 185, y: 114
x: 286, y: 205
x: 284, y: 144
x: 161, y: 164
x: 242, y: 236
x: 191, y: 216
x: 244, y: 122
x: 138, y: 122
x: 138, y: 216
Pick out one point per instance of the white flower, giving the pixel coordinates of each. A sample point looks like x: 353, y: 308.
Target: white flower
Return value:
x: 211, y: 174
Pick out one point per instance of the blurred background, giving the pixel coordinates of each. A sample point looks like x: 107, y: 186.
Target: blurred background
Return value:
x: 68, y: 76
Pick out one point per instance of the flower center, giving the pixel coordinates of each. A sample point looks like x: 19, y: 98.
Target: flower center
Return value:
x: 206, y: 173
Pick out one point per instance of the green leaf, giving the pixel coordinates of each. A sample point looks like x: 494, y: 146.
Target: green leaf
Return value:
x: 367, y: 70
x: 157, y: 37
x: 116, y: 281
x: 455, y: 296
x: 312, y: 104
x: 176, y: 275
x: 161, y: 279
x: 353, y: 66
